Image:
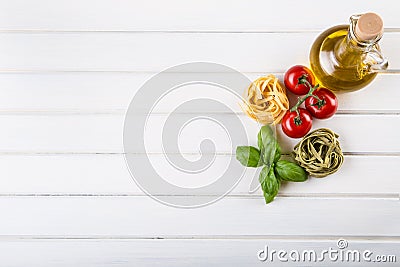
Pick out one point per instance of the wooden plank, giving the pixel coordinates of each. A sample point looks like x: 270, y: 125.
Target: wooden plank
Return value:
x: 180, y: 15
x: 175, y: 253
x: 107, y: 174
x: 112, y: 92
x: 142, y: 216
x: 246, y: 52
x: 103, y: 133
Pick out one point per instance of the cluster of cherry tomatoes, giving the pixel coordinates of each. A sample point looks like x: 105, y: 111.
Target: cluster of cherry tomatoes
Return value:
x: 319, y: 102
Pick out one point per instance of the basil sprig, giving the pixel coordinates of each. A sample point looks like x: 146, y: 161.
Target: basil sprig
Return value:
x: 274, y: 169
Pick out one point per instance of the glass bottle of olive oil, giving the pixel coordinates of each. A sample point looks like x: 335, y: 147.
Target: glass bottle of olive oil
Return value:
x: 348, y: 57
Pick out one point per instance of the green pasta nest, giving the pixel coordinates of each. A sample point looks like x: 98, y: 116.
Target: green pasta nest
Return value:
x: 319, y: 153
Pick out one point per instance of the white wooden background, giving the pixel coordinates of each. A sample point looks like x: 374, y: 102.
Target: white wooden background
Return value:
x: 68, y: 70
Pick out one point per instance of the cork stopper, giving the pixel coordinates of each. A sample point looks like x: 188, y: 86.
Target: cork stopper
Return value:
x: 369, y: 26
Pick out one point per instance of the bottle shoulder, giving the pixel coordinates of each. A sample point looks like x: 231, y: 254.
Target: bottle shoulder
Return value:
x: 335, y: 31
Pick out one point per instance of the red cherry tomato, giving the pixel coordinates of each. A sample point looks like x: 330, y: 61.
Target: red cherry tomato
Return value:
x: 297, y: 125
x: 293, y: 79
x: 326, y: 107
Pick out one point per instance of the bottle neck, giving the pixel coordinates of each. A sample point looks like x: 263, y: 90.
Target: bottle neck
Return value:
x: 361, y: 56
x: 362, y: 44
x: 346, y: 50
x: 351, y: 46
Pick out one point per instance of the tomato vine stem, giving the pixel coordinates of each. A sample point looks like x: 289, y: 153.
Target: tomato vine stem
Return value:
x: 320, y: 102
x: 303, y: 80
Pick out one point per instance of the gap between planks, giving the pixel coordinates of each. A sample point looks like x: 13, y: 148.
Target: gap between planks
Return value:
x: 55, y: 31
x: 378, y: 196
x: 296, y: 238
x: 123, y: 111
x: 119, y: 112
x: 122, y: 71
x: 73, y: 153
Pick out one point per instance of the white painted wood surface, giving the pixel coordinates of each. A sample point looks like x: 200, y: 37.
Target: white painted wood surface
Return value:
x: 89, y: 92
x: 174, y: 252
x: 68, y: 71
x: 357, y: 177
x: 153, y: 52
x: 179, y: 15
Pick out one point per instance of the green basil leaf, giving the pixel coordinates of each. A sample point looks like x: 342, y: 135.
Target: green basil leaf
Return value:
x: 267, y: 144
x: 277, y: 175
x: 264, y: 174
x: 277, y: 152
x: 269, y: 184
x: 290, y: 171
x: 264, y: 135
x: 248, y: 156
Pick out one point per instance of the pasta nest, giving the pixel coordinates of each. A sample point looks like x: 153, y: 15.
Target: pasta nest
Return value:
x: 319, y: 153
x: 266, y: 100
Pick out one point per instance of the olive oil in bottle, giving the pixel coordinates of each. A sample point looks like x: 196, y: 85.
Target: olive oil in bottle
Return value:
x: 347, y: 58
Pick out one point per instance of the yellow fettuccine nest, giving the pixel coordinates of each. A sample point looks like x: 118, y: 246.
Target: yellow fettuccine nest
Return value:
x: 266, y: 100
